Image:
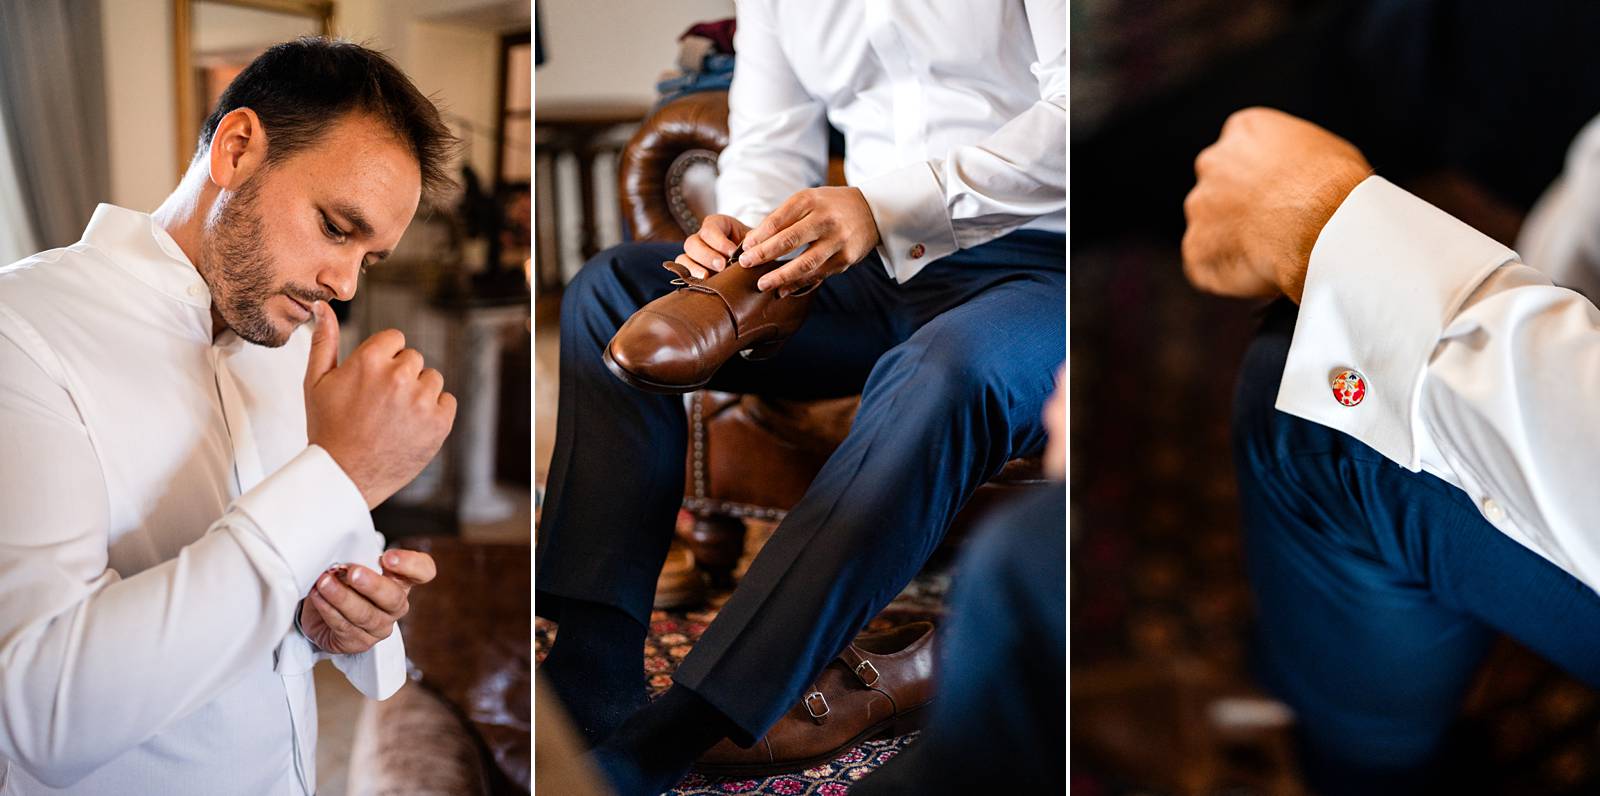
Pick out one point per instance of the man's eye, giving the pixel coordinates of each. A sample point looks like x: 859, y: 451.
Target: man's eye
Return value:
x: 332, y: 231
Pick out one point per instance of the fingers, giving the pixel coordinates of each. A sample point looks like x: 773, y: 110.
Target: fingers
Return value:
x: 779, y: 232
x: 707, y: 250
x: 432, y: 383
x: 351, y: 606
x: 695, y: 269
x: 803, y: 271
x: 700, y: 257
x: 386, y: 594
x: 383, y: 345
x: 350, y: 636
x: 806, y: 230
x: 714, y: 233
x: 413, y: 566
x: 324, y: 344
x: 409, y: 363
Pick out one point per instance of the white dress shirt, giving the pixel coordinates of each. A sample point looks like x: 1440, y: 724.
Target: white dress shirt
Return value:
x: 161, y: 516
x: 1479, y: 369
x: 954, y: 114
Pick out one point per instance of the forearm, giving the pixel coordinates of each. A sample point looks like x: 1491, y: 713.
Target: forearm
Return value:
x: 1477, y: 368
x: 94, y: 664
x: 981, y: 191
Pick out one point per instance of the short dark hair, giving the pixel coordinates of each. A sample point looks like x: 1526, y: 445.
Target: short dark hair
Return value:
x: 300, y: 87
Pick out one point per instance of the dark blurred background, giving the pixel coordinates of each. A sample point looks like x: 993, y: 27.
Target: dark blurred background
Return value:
x: 1471, y: 105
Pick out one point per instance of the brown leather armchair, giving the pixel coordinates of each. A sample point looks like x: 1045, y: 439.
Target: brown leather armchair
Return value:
x: 749, y: 456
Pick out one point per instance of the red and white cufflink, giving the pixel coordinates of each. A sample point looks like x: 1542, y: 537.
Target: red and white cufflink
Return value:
x: 1349, y: 387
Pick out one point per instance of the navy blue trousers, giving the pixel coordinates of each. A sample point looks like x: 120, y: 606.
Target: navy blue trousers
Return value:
x: 998, y: 721
x: 1379, y: 590
x: 953, y: 368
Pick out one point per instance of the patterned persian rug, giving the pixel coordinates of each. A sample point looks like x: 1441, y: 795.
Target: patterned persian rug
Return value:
x: 673, y: 633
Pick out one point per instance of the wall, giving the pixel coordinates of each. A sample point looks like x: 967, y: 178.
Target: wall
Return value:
x: 137, y: 38
x: 613, y: 51
x: 449, y: 47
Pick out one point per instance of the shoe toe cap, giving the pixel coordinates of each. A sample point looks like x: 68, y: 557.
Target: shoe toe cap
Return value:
x: 656, y: 347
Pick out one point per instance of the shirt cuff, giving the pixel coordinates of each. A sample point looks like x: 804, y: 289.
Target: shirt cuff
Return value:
x: 313, y: 516
x: 378, y: 672
x: 913, y: 221
x: 1387, y: 274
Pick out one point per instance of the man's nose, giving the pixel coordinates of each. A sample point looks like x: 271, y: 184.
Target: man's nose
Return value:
x: 341, y: 279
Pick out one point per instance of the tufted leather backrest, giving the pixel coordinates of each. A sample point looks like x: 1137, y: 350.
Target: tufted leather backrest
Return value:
x: 666, y: 179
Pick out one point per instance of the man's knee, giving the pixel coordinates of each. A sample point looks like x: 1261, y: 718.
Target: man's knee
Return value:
x: 616, y: 280
x: 947, y: 374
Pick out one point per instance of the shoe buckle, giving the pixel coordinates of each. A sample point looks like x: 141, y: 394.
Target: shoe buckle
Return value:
x: 811, y: 708
x: 862, y: 668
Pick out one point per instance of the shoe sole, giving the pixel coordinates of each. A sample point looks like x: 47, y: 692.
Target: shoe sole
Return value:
x: 647, y: 385
x: 908, y: 721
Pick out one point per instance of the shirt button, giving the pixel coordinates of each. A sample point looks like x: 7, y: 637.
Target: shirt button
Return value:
x: 1492, y: 510
x: 197, y: 290
x: 1349, y: 387
x: 917, y: 251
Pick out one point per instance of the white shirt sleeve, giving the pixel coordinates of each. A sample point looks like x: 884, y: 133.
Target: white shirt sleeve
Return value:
x: 777, y: 131
x: 92, y: 664
x: 925, y: 211
x: 1478, y: 368
x: 377, y: 672
x: 1561, y: 235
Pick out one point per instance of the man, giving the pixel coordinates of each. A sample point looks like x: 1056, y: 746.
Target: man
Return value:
x: 954, y: 119
x: 1426, y: 479
x: 183, y: 461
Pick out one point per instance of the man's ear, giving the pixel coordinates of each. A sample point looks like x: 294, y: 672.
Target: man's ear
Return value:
x: 238, y: 148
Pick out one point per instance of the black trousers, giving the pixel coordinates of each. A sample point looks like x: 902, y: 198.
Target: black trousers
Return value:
x: 953, y: 368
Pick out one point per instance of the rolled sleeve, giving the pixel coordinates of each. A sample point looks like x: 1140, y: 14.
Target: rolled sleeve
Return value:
x: 1387, y: 274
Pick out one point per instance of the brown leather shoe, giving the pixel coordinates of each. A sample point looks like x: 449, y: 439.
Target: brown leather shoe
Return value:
x: 879, y: 686
x: 676, y: 343
x: 681, y: 584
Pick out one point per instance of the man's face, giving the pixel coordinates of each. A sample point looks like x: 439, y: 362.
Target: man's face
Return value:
x: 302, y: 229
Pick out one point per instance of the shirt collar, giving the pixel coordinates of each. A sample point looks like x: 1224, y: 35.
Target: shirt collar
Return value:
x: 136, y: 243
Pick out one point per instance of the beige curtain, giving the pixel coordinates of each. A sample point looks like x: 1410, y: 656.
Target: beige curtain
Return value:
x: 52, y: 103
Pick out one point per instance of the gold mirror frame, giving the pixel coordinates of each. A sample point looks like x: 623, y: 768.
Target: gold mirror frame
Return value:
x: 182, y: 42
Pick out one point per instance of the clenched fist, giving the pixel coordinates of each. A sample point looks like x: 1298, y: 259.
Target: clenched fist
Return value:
x: 380, y: 414
x: 1264, y: 191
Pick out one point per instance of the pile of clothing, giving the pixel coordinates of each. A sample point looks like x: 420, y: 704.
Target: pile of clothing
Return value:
x: 705, y: 62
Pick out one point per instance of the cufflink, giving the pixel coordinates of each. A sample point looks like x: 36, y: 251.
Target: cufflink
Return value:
x: 1349, y: 387
x: 917, y: 251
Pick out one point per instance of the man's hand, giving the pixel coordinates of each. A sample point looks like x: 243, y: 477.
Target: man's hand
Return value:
x: 1055, y: 425
x: 352, y: 608
x: 1264, y: 191
x: 379, y: 414
x: 709, y: 248
x: 836, y: 222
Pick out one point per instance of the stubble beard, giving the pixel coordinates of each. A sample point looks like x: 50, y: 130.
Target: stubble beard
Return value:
x: 239, y: 270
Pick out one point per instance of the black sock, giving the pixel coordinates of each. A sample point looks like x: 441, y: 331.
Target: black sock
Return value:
x: 655, y: 747
x: 596, y: 667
